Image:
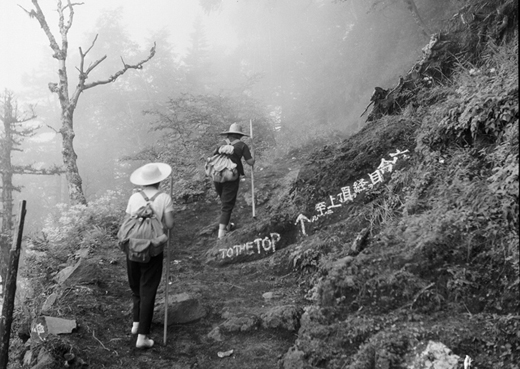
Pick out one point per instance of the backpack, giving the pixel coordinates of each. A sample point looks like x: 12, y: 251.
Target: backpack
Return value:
x: 141, y: 236
x: 220, y: 168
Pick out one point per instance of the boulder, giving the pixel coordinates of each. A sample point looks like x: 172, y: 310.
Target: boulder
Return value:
x: 83, y: 272
x: 283, y: 317
x: 182, y: 308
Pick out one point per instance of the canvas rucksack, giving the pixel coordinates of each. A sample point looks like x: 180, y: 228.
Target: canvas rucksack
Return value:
x: 220, y: 168
x: 141, y: 236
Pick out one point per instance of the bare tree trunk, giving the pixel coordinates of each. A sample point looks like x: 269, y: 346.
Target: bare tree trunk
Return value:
x: 70, y: 157
x: 6, y: 166
x: 74, y: 181
x: 7, y: 185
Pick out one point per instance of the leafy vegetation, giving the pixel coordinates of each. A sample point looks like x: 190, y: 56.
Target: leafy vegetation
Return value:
x: 188, y: 128
x: 444, y: 227
x: 429, y: 254
x: 70, y: 229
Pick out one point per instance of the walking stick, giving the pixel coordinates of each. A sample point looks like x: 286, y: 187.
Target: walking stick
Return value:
x: 167, y: 273
x: 252, y: 169
x: 6, y: 319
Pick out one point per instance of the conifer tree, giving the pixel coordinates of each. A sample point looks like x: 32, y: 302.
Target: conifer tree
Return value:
x: 15, y: 129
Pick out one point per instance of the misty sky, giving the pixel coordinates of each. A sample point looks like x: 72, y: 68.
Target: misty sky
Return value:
x: 309, y: 66
x: 24, y: 43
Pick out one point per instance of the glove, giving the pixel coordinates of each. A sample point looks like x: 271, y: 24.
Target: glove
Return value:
x: 226, y: 149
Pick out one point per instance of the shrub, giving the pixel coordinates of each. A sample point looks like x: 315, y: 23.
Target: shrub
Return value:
x: 70, y: 228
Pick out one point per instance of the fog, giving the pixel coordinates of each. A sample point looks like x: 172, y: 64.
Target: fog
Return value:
x: 300, y: 69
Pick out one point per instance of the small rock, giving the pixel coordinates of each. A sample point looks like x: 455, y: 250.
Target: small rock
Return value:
x: 268, y: 295
x: 222, y: 354
x: 51, y: 299
x: 215, y: 334
x: 45, y: 360
x: 44, y: 326
x: 27, y: 358
x: 57, y: 326
x: 359, y: 243
x: 82, y: 253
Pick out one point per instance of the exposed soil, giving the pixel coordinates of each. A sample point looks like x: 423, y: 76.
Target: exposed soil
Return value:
x: 427, y: 266
x: 103, y: 310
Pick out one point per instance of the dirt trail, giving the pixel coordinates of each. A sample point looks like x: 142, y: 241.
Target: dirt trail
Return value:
x: 232, y: 294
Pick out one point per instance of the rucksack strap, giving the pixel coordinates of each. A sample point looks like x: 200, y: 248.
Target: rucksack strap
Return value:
x: 153, y: 197
x: 150, y: 201
x: 144, y: 196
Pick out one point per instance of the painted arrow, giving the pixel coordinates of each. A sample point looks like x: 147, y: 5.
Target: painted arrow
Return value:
x: 302, y: 218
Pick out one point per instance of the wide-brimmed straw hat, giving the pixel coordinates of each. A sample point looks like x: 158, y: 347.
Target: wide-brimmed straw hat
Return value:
x: 236, y: 129
x: 150, y: 173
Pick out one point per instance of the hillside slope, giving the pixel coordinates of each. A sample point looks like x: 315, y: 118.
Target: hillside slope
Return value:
x: 363, y: 251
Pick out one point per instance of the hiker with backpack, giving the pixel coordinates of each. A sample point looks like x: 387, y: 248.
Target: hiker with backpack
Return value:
x: 141, y: 236
x: 227, y: 191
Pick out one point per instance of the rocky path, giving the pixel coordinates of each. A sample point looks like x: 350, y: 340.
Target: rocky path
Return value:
x: 250, y: 321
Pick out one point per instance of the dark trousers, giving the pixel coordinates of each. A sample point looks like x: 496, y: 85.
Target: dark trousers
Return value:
x: 144, y: 279
x: 227, y: 192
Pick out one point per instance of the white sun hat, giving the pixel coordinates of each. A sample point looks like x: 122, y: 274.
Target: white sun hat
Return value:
x: 150, y: 173
x: 236, y: 129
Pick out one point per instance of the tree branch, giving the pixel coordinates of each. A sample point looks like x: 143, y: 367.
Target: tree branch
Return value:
x: 29, y: 169
x: 64, y: 28
x: 31, y: 13
x: 90, y: 48
x: 71, y: 14
x: 27, y: 118
x: 115, y: 76
x: 94, y: 65
x: 38, y: 14
x: 54, y: 129
x: 13, y: 188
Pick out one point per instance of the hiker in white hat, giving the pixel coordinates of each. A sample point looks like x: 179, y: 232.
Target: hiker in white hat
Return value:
x: 144, y: 278
x: 227, y: 191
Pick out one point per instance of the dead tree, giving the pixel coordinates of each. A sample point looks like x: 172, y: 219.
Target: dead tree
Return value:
x: 68, y: 102
x: 14, y: 132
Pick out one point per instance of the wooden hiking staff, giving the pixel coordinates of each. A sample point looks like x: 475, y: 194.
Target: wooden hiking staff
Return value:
x: 167, y: 273
x: 252, y: 169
